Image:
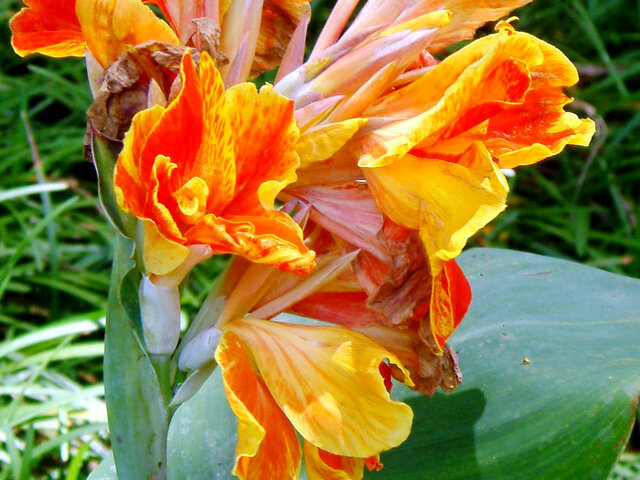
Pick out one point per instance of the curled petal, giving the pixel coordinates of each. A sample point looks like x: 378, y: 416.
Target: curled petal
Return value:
x: 268, y: 448
x: 327, y: 382
x: 450, y: 299
x: 49, y: 27
x: 272, y: 239
x: 504, y: 90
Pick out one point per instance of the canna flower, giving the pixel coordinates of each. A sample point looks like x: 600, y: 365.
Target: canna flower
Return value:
x: 497, y: 103
x: 426, y: 139
x: 206, y: 169
x: 329, y: 384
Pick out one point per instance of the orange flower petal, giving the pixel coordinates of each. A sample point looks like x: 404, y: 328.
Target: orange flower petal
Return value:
x: 478, y: 93
x: 321, y: 465
x: 450, y: 299
x: 268, y: 448
x: 129, y: 178
x: 266, y: 136
x: 109, y: 26
x: 327, y: 382
x: 272, y: 239
x: 49, y: 27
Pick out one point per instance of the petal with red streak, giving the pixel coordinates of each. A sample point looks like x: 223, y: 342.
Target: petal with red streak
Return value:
x: 450, y: 299
x: 272, y: 239
x: 266, y: 136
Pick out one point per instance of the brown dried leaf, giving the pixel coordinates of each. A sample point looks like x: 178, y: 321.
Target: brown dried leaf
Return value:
x: 208, y: 36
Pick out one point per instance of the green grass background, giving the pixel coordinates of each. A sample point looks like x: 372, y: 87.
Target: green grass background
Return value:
x: 55, y: 247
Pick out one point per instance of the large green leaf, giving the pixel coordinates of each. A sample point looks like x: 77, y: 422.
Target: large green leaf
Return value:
x: 550, y: 352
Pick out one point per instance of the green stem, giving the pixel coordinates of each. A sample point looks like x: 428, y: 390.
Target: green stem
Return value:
x: 136, y: 401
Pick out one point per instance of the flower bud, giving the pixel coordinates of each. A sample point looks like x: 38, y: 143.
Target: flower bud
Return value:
x: 200, y: 349
x: 160, y: 312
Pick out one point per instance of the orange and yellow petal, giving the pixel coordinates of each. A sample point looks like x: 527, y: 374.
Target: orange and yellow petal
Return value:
x: 268, y: 448
x: 266, y: 135
x: 447, y: 202
x: 450, y: 299
x: 481, y: 93
x: 321, y: 465
x: 110, y: 26
x: 328, y: 383
x: 49, y: 27
x: 131, y: 182
x: 271, y: 239
x: 321, y: 142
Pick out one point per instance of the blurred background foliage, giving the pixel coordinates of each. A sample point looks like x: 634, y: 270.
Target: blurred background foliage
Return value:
x: 55, y: 247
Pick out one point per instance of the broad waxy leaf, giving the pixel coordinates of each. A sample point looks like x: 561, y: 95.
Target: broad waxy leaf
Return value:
x: 550, y: 354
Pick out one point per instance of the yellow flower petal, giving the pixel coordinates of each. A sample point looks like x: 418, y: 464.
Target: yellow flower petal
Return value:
x: 320, y: 143
x: 327, y: 382
x: 160, y: 254
x: 448, y: 202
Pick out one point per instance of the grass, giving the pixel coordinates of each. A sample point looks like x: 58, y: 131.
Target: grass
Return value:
x: 55, y: 247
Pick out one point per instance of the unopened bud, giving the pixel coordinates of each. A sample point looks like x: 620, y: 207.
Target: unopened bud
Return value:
x: 160, y: 312
x: 200, y: 349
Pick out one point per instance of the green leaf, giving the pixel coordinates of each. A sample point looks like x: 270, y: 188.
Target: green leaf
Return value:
x: 551, y: 363
x: 203, y: 435
x: 105, y: 471
x: 138, y: 417
x: 564, y: 413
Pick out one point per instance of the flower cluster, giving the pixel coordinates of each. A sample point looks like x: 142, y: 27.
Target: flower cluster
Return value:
x: 345, y: 192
